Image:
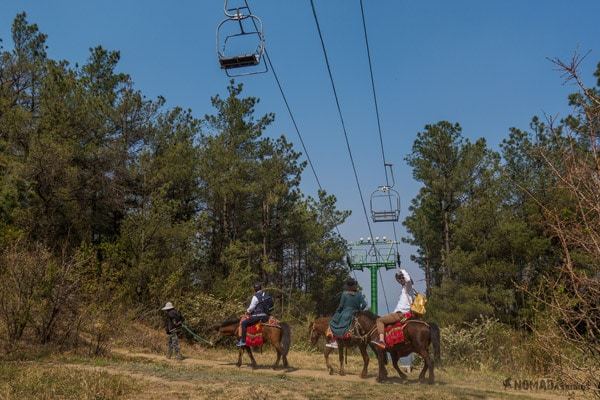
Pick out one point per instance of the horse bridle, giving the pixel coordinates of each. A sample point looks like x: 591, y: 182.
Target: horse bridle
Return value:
x: 357, y: 328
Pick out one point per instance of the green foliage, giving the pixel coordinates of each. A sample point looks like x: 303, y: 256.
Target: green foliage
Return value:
x: 136, y: 204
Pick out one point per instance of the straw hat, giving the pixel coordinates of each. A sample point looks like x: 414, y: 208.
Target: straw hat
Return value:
x: 168, y: 306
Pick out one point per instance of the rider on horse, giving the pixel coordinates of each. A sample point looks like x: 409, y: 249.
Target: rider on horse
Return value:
x: 258, y: 311
x: 403, y: 307
x: 351, y: 302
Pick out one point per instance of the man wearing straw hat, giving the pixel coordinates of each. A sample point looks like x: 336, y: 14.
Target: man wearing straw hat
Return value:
x: 173, y: 322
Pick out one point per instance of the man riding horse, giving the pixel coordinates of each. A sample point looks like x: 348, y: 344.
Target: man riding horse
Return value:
x: 259, y: 310
x: 403, y: 307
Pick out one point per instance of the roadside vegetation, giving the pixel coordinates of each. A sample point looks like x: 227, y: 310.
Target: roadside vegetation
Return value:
x: 111, y: 204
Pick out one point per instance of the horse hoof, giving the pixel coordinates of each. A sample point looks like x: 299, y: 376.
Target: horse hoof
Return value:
x: 380, y: 379
x: 330, y: 372
x: 364, y: 376
x: 342, y: 373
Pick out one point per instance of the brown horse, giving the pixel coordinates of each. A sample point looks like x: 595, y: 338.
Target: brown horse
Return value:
x: 280, y: 338
x: 418, y: 336
x: 318, y: 328
x: 363, y: 323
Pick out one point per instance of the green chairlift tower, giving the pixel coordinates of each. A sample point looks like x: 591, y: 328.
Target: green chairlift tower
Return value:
x: 373, y: 254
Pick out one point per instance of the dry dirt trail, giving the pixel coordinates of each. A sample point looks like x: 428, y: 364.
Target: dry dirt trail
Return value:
x: 300, y: 381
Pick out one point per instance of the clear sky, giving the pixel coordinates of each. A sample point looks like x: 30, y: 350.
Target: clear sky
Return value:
x: 480, y: 63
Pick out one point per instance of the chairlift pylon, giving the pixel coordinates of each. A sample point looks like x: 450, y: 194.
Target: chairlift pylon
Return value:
x: 246, y: 25
x: 385, y: 201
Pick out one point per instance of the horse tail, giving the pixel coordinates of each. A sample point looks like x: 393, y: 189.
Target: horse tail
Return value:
x: 435, y: 340
x: 286, y: 338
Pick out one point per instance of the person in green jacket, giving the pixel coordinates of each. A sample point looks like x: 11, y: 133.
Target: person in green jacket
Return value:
x: 351, y: 302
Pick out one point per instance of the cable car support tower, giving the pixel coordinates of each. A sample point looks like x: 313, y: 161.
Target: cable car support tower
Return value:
x: 373, y: 254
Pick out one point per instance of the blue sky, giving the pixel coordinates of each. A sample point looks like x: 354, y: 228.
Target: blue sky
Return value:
x: 480, y: 63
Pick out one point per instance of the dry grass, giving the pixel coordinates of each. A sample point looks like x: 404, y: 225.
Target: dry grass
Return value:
x: 28, y: 380
x: 137, y: 369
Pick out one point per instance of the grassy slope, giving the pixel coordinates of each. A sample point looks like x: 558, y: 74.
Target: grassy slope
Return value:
x: 137, y: 370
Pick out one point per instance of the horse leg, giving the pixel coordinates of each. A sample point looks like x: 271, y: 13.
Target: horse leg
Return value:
x: 382, y: 373
x: 253, y: 365
x: 427, y: 365
x: 365, y: 356
x: 326, y: 353
x: 341, y: 354
x: 279, y: 351
x: 285, y: 362
x: 240, y: 354
x: 395, y: 358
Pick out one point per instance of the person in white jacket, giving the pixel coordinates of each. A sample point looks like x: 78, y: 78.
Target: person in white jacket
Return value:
x: 404, y: 303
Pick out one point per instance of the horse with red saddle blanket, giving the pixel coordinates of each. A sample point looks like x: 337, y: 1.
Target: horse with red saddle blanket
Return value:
x: 320, y: 327
x: 402, y: 333
x: 278, y: 334
x: 257, y: 325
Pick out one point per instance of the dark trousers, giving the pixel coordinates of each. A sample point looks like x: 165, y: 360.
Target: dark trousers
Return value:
x: 253, y: 320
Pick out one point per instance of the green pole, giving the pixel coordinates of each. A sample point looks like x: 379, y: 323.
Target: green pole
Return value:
x: 373, y: 270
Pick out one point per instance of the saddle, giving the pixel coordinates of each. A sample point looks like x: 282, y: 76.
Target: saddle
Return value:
x: 353, y: 332
x: 254, y: 333
x: 394, y: 333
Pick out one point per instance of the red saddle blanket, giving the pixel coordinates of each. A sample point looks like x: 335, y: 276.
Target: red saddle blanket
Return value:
x: 254, y: 333
x: 394, y: 333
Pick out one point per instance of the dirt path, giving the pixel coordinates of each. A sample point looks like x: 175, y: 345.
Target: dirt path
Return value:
x: 316, y: 375
x: 292, y: 372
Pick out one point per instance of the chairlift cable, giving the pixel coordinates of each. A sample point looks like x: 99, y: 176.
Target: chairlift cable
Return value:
x: 293, y: 119
x: 377, y: 114
x: 337, y: 102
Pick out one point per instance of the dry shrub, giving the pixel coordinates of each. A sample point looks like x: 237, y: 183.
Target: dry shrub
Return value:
x: 567, y: 302
x: 38, y: 291
x: 203, y: 312
x: 21, y: 271
x: 143, y: 337
x: 485, y: 344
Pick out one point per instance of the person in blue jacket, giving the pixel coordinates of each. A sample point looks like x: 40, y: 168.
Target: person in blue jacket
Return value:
x: 351, y: 302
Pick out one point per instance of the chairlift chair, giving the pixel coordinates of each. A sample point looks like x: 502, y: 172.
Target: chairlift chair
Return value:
x: 385, y: 205
x: 248, y: 25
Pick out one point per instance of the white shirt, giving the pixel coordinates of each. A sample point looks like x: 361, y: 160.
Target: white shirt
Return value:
x: 406, y: 296
x: 253, y: 304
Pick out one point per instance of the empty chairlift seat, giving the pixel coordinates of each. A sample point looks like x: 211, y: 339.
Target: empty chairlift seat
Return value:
x: 385, y: 205
x: 240, y: 43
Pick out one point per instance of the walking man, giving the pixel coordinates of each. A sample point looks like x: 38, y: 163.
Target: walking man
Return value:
x: 173, y: 322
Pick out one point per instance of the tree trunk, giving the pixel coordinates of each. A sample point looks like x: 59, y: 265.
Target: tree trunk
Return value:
x: 446, y: 250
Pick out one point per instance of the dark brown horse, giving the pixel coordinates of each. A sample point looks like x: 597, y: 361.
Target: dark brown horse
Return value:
x: 418, y: 335
x: 318, y: 328
x: 280, y: 338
